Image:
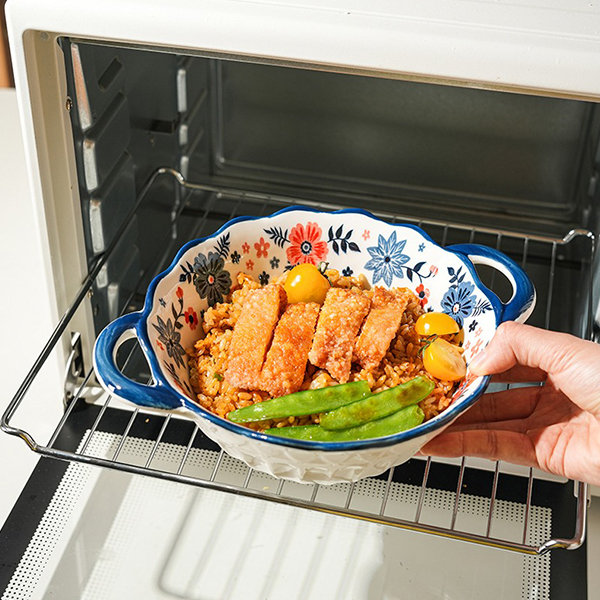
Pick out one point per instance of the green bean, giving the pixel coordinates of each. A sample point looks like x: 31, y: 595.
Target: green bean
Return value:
x: 378, y: 405
x: 404, y: 419
x: 298, y: 404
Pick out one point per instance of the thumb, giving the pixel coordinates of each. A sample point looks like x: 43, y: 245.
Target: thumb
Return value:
x: 572, y: 364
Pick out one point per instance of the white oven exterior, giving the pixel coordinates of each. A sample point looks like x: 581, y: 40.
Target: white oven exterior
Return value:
x: 530, y: 48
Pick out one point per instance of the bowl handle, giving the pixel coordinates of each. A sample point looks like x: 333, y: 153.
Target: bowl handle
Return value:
x: 111, y: 337
x: 522, y: 302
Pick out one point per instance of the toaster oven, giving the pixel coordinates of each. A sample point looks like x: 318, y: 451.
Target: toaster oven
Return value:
x: 149, y: 124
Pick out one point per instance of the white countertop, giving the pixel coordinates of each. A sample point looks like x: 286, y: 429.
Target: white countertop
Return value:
x: 27, y: 324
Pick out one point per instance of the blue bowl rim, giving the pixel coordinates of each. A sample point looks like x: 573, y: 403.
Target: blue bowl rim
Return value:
x: 445, y: 417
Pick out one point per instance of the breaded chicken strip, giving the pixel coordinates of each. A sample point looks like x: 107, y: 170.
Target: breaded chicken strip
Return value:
x: 283, y: 372
x: 252, y: 335
x: 380, y: 327
x: 340, y: 319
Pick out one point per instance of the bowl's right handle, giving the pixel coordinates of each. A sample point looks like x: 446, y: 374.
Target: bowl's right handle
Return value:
x: 522, y: 302
x: 155, y: 395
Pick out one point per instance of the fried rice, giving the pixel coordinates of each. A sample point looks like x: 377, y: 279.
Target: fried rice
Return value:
x: 208, y: 358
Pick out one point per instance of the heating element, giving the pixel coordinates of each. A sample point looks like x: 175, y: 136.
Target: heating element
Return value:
x: 559, y: 266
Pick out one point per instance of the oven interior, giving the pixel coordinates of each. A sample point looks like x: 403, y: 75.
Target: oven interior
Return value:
x: 169, y: 146
x: 503, y: 169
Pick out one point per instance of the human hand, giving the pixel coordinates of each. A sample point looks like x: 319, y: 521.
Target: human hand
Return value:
x: 555, y: 426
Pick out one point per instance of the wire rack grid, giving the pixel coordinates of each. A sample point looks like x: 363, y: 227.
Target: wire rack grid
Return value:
x: 262, y: 203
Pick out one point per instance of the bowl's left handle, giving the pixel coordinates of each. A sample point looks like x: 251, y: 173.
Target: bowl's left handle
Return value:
x: 154, y: 395
x: 522, y: 302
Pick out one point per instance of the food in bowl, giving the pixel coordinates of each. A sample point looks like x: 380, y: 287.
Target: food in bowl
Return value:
x: 346, y: 411
x: 322, y: 330
x: 198, y: 290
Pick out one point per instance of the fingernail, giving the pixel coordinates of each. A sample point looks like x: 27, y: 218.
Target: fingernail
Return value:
x: 477, y: 364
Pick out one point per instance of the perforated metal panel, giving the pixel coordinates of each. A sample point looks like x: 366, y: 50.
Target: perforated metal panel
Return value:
x: 105, y: 532
x: 47, y: 542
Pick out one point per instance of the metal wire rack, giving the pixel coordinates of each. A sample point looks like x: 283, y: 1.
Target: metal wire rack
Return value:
x: 527, y: 248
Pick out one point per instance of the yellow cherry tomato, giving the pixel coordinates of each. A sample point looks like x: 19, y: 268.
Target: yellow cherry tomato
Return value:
x: 459, y: 338
x: 305, y: 283
x: 436, y: 323
x: 444, y: 361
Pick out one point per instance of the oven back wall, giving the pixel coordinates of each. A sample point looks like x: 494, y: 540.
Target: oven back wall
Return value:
x: 414, y: 150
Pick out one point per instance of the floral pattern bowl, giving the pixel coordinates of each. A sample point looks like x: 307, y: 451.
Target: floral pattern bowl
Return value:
x: 352, y: 241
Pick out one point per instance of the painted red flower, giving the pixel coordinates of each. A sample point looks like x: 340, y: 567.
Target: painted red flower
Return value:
x: 422, y: 294
x: 179, y: 293
x: 306, y: 245
x: 191, y: 318
x: 366, y: 234
x: 249, y: 265
x: 261, y: 248
x: 245, y: 247
x: 433, y: 270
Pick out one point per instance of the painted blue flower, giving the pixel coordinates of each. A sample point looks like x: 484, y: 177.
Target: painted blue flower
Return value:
x: 183, y: 385
x: 170, y: 368
x: 235, y: 257
x: 171, y: 338
x: 421, y: 247
x: 264, y: 278
x: 347, y: 272
x: 387, y: 259
x: 212, y: 281
x: 459, y: 301
x: 274, y: 262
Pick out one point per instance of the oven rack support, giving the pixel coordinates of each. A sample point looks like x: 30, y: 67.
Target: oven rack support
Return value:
x: 269, y: 201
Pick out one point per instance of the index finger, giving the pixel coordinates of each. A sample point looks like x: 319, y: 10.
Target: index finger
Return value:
x: 510, y: 446
x: 502, y: 406
x: 521, y: 374
x: 572, y: 364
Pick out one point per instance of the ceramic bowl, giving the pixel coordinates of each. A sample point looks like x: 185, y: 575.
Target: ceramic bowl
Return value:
x: 352, y: 241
